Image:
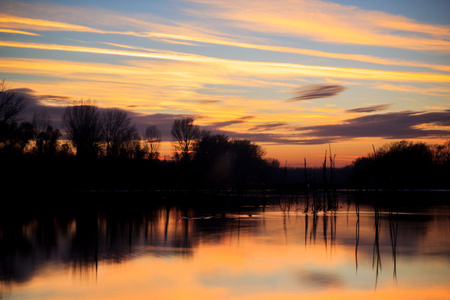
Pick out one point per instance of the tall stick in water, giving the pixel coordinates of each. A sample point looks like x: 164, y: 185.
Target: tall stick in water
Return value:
x: 306, y: 187
x: 324, y: 179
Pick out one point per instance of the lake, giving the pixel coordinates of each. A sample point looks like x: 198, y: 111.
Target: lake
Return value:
x: 239, y: 247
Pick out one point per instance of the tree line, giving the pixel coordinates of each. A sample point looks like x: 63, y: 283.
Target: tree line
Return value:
x: 91, y: 133
x: 102, y: 149
x: 106, y: 143
x: 404, y: 164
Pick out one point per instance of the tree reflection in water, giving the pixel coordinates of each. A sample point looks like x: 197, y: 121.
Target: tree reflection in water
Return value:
x: 84, y: 238
x: 376, y: 256
x: 393, y: 230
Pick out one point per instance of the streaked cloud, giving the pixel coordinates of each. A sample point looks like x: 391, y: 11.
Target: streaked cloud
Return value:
x: 179, y: 33
x: 328, y: 22
x: 11, y: 21
x: 246, y: 67
x: 223, y: 124
x: 369, y: 109
x: 397, y: 125
x: 316, y: 91
x: 425, y: 90
x: 268, y: 126
x: 13, y: 31
x: 392, y: 125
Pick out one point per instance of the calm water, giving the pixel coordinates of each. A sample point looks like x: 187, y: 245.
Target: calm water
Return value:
x: 228, y: 252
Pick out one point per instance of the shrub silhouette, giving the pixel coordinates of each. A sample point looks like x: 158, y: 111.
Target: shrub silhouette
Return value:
x: 401, y: 164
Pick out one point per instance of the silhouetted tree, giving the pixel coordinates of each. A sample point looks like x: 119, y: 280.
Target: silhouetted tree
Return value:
x: 247, y: 160
x: 118, y: 132
x: 153, y: 140
x: 184, y: 135
x: 84, y: 129
x: 441, y: 153
x: 396, y: 165
x: 219, y: 159
x: 131, y: 148
x: 11, y: 105
x: 212, y: 159
x: 41, y: 120
x: 14, y: 137
x: 47, y: 142
x: 46, y: 137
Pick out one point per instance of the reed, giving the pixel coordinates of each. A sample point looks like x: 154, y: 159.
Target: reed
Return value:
x: 376, y: 255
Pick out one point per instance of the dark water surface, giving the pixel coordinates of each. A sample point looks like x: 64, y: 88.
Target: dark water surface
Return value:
x: 246, y: 248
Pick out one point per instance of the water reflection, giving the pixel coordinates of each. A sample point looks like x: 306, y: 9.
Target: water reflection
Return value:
x: 251, y: 249
x: 393, y: 230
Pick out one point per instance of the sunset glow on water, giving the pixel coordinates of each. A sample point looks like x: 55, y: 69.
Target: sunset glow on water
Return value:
x: 253, y: 253
x: 224, y: 149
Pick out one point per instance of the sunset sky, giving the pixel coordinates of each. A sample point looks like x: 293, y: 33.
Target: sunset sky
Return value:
x: 293, y: 76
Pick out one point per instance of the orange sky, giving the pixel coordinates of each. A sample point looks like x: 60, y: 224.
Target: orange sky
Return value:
x: 293, y: 76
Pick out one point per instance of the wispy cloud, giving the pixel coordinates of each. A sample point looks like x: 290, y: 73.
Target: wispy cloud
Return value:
x: 12, y: 21
x: 223, y: 124
x: 425, y: 90
x: 261, y: 69
x: 14, y: 31
x: 181, y: 33
x: 328, y: 22
x: 316, y: 91
x: 369, y: 109
x: 268, y: 126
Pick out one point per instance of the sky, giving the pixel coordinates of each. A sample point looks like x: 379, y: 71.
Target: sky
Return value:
x: 297, y: 77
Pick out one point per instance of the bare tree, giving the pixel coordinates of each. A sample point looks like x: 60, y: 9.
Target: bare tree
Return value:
x: 46, y: 136
x: 41, y: 120
x: 84, y: 129
x: 131, y: 146
x: 11, y: 104
x: 184, y: 135
x: 14, y: 137
x: 153, y: 140
x: 117, y: 131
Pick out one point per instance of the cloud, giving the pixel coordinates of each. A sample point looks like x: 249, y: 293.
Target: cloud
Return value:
x: 267, y: 126
x: 228, y: 67
x: 218, y: 125
x: 204, y: 101
x: 430, y: 91
x: 396, y: 125
x: 368, y: 109
x: 34, y: 104
x: 317, y: 91
x: 13, y: 31
x: 163, y: 121
x: 347, y: 18
x: 11, y: 21
x: 328, y: 22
